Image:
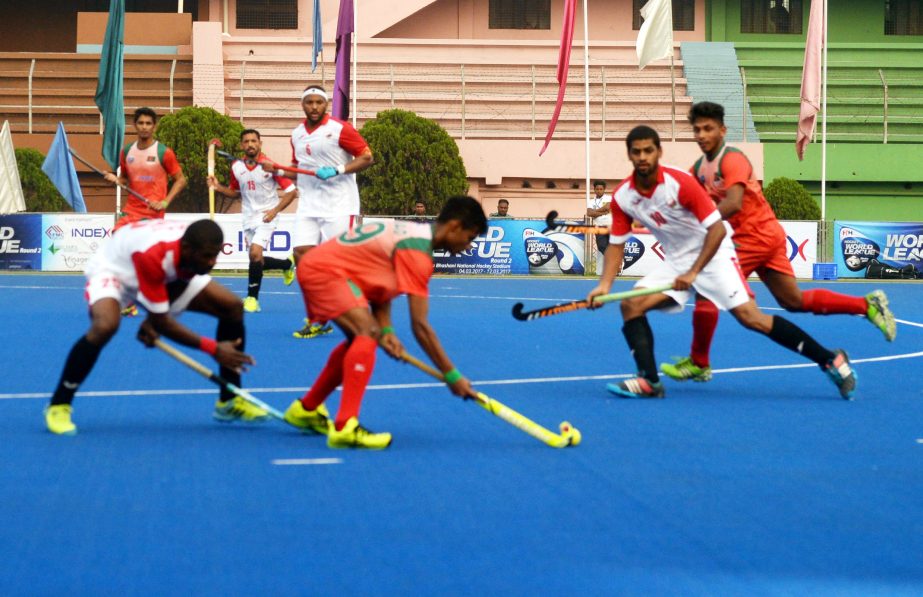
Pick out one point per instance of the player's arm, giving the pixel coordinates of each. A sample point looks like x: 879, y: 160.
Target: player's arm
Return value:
x: 284, y: 202
x: 429, y: 342
x: 387, y: 338
x: 736, y: 171
x: 359, y: 162
x: 226, y: 191
x: 612, y: 263
x: 224, y: 352
x: 732, y: 202
x: 713, y: 238
x: 175, y: 171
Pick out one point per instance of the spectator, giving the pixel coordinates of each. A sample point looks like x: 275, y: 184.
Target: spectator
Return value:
x: 503, y: 208
x: 419, y: 213
x: 598, y: 209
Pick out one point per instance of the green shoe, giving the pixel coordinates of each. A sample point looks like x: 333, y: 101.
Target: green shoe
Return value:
x: 251, y: 305
x: 309, y: 421
x: 238, y: 409
x: 354, y: 435
x: 880, y: 314
x: 313, y: 330
x: 683, y: 369
x: 58, y: 419
x: 130, y: 311
x: 288, y: 275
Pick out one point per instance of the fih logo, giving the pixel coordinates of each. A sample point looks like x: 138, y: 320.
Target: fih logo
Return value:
x: 54, y: 232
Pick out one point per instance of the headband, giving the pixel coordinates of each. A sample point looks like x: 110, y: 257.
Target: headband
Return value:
x: 314, y: 91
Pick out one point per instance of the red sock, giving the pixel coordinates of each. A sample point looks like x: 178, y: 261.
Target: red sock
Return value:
x: 357, y: 369
x: 704, y: 322
x: 825, y: 302
x: 328, y: 380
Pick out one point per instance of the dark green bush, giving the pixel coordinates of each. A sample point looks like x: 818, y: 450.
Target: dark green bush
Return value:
x: 187, y: 132
x: 790, y: 200
x: 39, y: 192
x: 415, y: 160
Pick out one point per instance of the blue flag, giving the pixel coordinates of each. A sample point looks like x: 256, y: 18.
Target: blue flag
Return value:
x: 59, y: 167
x: 318, y: 36
x: 109, y: 96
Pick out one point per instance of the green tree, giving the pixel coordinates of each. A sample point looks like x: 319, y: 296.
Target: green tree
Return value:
x: 39, y: 192
x: 790, y: 200
x: 187, y: 132
x: 415, y: 160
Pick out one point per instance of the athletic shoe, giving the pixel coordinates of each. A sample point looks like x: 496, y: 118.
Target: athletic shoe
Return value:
x: 289, y: 274
x: 880, y: 314
x: 683, y: 369
x: 238, y: 409
x: 307, y: 420
x: 637, y: 387
x: 130, y: 311
x: 58, y: 419
x: 251, y: 305
x: 354, y: 435
x: 842, y: 374
x: 313, y: 330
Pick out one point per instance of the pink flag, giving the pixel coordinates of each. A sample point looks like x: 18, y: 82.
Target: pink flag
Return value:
x: 567, y: 40
x: 811, y: 77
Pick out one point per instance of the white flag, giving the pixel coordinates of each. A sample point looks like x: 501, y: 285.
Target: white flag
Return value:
x: 11, y: 199
x: 655, y: 39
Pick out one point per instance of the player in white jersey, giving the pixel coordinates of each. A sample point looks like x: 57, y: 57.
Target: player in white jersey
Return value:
x: 260, y: 204
x: 698, y: 254
x: 328, y: 202
x: 163, y: 266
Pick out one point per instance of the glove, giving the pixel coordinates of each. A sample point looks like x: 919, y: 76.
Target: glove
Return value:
x: 325, y: 172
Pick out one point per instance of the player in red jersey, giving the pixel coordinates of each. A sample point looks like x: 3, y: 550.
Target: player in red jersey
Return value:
x: 164, y: 267
x: 761, y: 245
x: 698, y: 255
x: 351, y: 281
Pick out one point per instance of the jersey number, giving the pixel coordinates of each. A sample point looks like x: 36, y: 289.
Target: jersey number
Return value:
x: 659, y: 219
x: 251, y: 186
x: 362, y: 233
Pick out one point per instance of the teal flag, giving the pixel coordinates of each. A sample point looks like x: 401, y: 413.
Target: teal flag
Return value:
x: 59, y: 167
x: 109, y: 97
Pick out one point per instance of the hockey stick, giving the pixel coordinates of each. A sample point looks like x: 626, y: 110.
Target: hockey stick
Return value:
x: 212, y: 147
x: 118, y: 184
x: 251, y: 162
x: 215, y: 378
x: 552, y: 226
x: 569, y: 436
x: 521, y: 315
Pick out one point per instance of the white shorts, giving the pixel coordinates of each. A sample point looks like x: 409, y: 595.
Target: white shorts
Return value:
x: 261, y: 234
x: 311, y: 231
x: 104, y: 284
x: 721, y: 282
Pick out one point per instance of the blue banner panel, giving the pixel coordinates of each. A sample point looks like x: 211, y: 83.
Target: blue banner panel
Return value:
x: 21, y: 241
x: 516, y: 247
x: 879, y: 249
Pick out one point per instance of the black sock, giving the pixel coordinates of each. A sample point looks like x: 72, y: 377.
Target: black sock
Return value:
x: 273, y: 263
x: 79, y: 363
x: 640, y: 340
x: 792, y: 337
x: 255, y: 279
x: 230, y: 330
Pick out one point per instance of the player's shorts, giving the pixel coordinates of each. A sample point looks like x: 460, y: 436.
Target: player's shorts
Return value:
x: 260, y: 234
x: 311, y: 231
x: 105, y: 284
x: 759, y: 257
x: 327, y: 296
x: 721, y: 282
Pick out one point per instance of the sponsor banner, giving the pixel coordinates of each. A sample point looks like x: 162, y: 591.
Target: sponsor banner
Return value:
x: 21, y: 241
x: 235, y: 253
x: 878, y: 249
x: 69, y: 240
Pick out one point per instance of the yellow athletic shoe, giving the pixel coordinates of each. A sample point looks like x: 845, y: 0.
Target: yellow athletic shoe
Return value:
x: 58, y: 419
x: 309, y: 421
x: 313, y: 330
x: 251, y: 305
x: 354, y: 435
x: 130, y: 311
x: 238, y: 409
x: 288, y: 275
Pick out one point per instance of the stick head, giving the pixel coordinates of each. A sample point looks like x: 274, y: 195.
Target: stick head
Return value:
x: 571, y: 433
x: 216, y: 142
x: 549, y: 219
x: 517, y: 312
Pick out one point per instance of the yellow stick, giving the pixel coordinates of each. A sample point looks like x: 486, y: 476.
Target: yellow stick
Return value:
x: 211, y: 172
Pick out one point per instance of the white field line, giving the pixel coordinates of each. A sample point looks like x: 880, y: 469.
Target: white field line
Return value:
x: 306, y: 461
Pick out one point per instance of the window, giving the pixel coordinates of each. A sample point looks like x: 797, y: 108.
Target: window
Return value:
x: 520, y: 14
x: 903, y: 17
x: 267, y: 14
x: 771, y: 16
x: 683, y: 15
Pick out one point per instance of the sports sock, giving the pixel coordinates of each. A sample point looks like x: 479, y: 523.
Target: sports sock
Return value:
x: 792, y: 337
x: 79, y: 363
x: 640, y: 340
x: 358, y: 364
x: 254, y: 279
x: 330, y: 377
x: 229, y: 329
x: 704, y: 322
x: 825, y: 302
x: 274, y: 263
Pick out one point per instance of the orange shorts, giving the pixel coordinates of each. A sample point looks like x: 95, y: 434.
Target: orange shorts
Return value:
x: 759, y: 257
x: 327, y: 296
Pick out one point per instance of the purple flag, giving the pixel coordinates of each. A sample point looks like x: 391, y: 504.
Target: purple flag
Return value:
x: 343, y: 55
x: 567, y: 40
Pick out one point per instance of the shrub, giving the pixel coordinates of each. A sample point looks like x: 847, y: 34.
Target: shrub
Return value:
x: 39, y: 192
x: 187, y: 132
x: 415, y: 160
x: 790, y: 200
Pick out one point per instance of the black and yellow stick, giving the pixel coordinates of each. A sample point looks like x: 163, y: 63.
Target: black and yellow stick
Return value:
x: 216, y: 379
x: 552, y: 226
x: 602, y: 299
x: 569, y: 435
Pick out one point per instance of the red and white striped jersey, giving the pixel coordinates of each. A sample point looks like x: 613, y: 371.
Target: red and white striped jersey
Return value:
x: 257, y: 190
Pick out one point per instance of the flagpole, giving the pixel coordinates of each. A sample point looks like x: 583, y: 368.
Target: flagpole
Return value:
x: 823, y: 143
x: 355, y: 73
x: 586, y: 96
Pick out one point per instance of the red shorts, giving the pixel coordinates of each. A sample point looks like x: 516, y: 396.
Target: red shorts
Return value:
x: 760, y: 257
x: 327, y: 296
